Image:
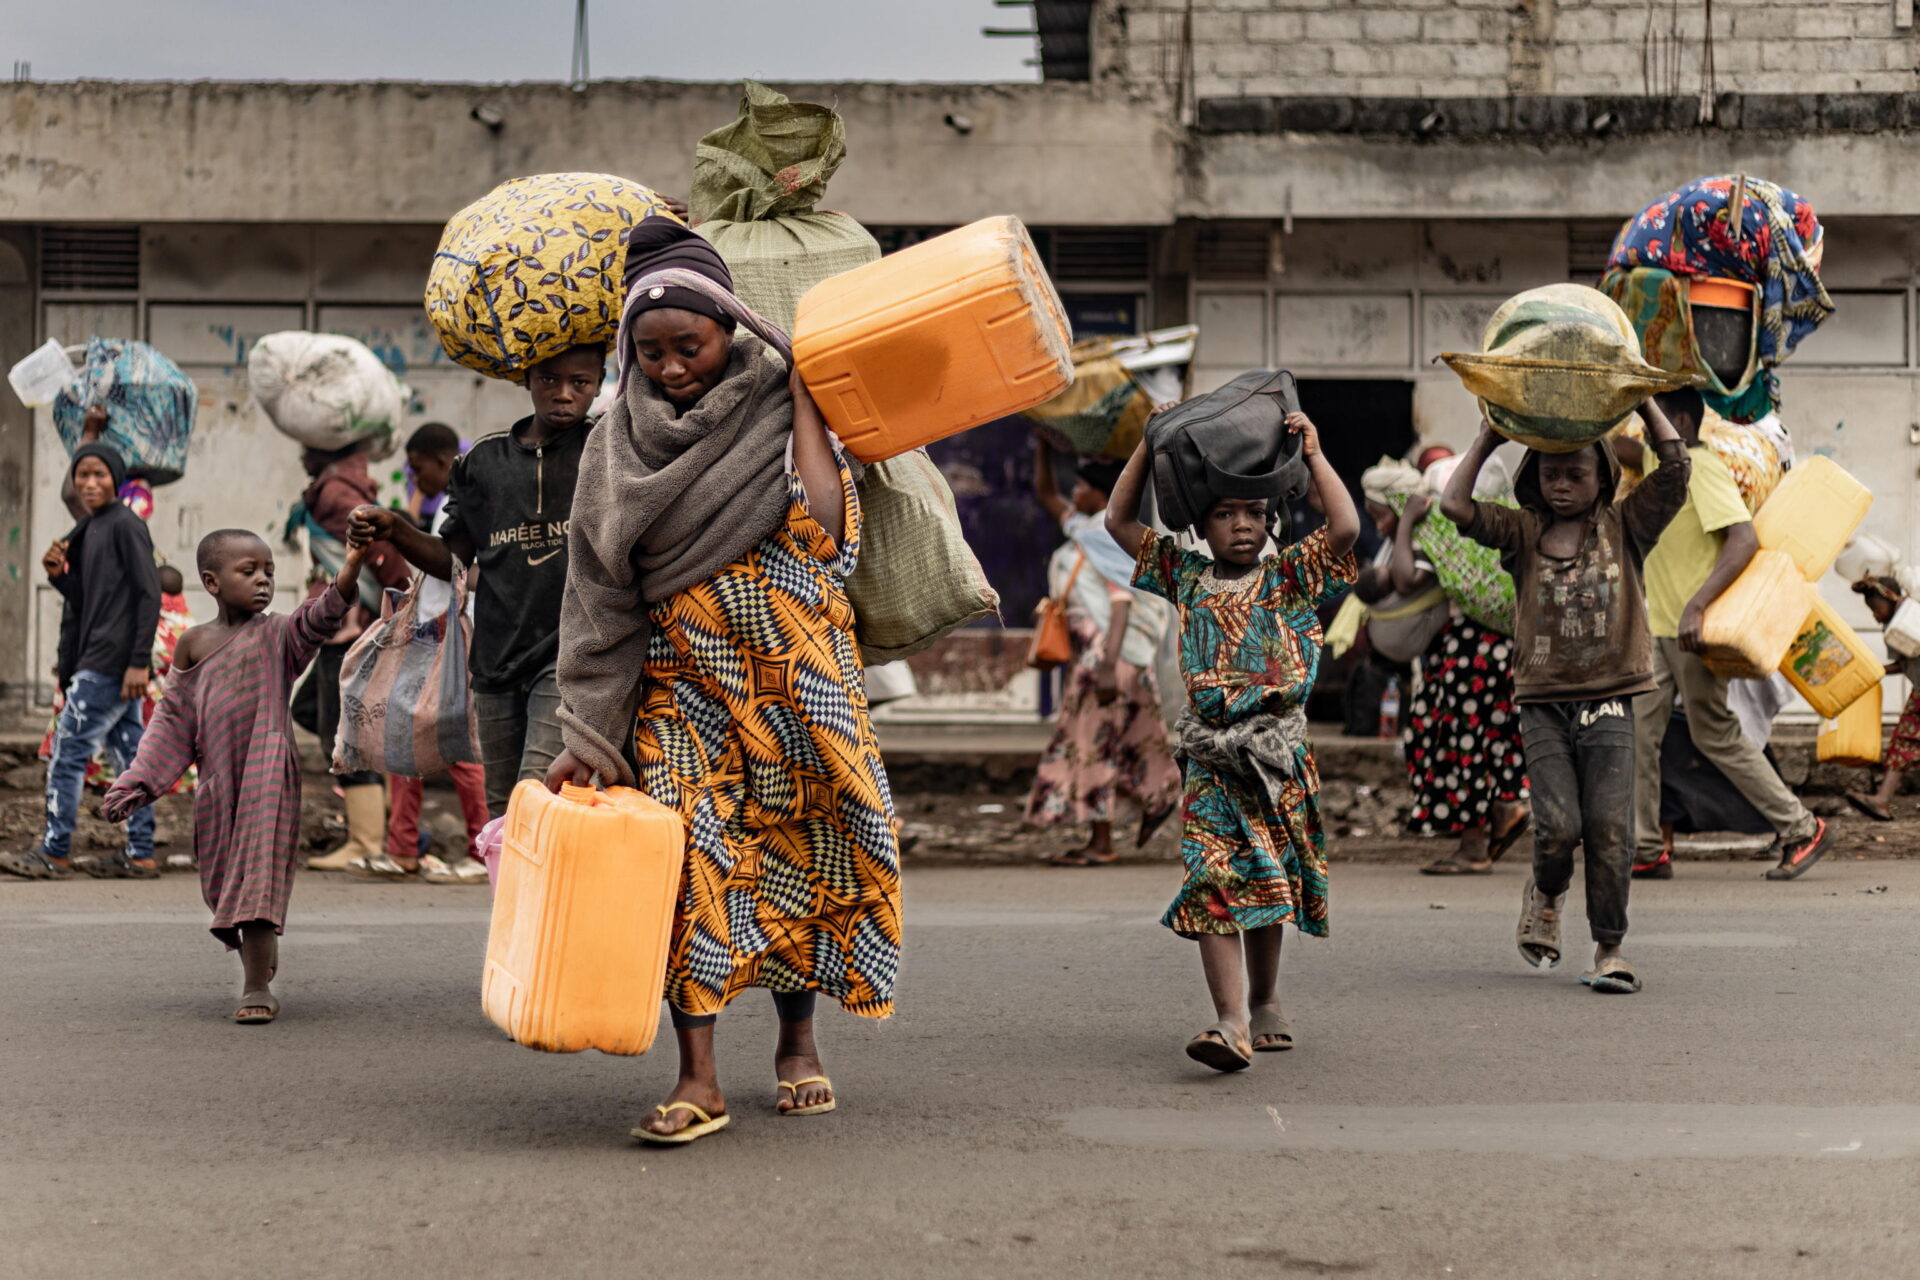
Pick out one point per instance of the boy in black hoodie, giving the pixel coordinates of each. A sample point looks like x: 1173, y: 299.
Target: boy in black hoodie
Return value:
x: 1582, y: 654
x: 104, y: 569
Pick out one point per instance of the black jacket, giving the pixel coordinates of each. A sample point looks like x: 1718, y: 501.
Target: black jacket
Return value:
x: 514, y: 501
x: 112, y: 593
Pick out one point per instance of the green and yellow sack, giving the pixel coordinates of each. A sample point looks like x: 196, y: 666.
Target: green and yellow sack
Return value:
x: 1559, y: 367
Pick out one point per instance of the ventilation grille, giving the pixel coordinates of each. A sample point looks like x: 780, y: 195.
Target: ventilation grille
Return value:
x: 1232, y: 250
x: 1589, y: 242
x: 97, y: 259
x: 1118, y: 255
x: 1065, y: 28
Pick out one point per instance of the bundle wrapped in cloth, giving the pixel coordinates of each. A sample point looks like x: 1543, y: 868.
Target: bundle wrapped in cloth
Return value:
x: 1559, y: 367
x: 326, y: 391
x: 150, y: 406
x: 534, y: 267
x: 1104, y: 412
x: 755, y: 184
x: 1721, y: 280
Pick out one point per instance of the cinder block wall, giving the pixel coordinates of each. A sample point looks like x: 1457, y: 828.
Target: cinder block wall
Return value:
x: 1477, y: 48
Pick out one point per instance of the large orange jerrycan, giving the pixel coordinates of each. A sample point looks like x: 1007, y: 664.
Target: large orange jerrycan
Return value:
x: 1853, y: 736
x: 582, y: 909
x: 1749, y: 628
x: 950, y: 333
x: 1829, y: 663
x: 1812, y: 514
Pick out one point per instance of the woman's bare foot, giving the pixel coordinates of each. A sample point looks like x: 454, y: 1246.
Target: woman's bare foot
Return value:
x: 796, y: 1058
x: 704, y: 1094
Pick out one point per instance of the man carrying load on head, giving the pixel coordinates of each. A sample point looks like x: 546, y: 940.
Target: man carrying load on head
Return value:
x: 1705, y: 548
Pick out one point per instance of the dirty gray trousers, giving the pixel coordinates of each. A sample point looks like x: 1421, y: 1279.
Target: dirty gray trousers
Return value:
x: 1580, y: 765
x: 1715, y: 731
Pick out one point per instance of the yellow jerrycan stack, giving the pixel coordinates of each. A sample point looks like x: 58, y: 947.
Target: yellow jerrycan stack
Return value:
x: 1812, y: 514
x: 939, y: 337
x: 1749, y: 628
x: 1853, y: 736
x: 1828, y: 663
x: 582, y: 910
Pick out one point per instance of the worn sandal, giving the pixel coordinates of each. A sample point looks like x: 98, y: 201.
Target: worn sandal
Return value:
x: 33, y: 866
x: 818, y: 1108
x: 1221, y: 1054
x: 1274, y: 1027
x: 379, y: 867
x: 1538, y: 936
x: 250, y: 1004
x: 1614, y: 977
x: 703, y: 1125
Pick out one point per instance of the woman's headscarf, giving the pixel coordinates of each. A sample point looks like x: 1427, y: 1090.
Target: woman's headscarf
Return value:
x: 659, y: 243
x: 116, y: 465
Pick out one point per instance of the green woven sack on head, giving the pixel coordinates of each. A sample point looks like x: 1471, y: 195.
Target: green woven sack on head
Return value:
x: 1559, y: 367
x: 755, y: 184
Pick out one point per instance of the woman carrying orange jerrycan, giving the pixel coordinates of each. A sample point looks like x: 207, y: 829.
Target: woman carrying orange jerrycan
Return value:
x: 706, y: 637
x: 1884, y: 597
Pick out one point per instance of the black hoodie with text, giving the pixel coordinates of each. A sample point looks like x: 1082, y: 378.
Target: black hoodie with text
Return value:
x: 1580, y: 622
x: 514, y: 501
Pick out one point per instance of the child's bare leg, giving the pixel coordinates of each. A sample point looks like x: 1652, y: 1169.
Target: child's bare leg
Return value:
x: 259, y: 957
x: 1221, y: 958
x: 1889, y: 787
x: 699, y: 1082
x: 1263, y: 971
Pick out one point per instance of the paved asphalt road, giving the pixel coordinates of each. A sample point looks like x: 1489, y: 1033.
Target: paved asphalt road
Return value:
x: 1028, y: 1113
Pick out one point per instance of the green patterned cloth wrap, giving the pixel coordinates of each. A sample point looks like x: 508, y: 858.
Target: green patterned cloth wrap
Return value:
x: 1656, y: 303
x: 1469, y: 572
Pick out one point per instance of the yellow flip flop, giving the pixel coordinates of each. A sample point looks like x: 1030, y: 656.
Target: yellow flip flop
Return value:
x: 818, y: 1108
x: 704, y: 1125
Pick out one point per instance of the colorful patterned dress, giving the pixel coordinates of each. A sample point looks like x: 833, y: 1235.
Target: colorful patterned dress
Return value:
x: 754, y: 726
x: 1248, y: 646
x: 229, y: 714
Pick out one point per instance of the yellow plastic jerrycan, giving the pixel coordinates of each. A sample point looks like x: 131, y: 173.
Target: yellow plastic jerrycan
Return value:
x: 1748, y: 629
x: 582, y: 909
x: 1853, y: 736
x: 1828, y: 663
x: 1812, y: 514
x: 939, y: 337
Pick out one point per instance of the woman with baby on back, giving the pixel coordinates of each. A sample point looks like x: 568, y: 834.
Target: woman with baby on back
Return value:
x: 707, y: 656
x: 1250, y: 638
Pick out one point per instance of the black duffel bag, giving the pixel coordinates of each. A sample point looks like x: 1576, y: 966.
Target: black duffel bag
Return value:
x: 1230, y: 443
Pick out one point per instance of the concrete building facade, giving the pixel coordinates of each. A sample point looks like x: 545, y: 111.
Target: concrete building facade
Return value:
x: 1345, y: 189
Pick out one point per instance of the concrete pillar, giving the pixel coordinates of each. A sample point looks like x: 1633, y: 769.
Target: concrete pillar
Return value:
x: 19, y: 559
x: 1530, y: 47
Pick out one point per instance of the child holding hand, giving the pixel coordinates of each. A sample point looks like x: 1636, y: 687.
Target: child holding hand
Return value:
x: 1249, y: 649
x: 226, y: 710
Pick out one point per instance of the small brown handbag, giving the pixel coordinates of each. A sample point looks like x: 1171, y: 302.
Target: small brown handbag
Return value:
x: 1052, y: 639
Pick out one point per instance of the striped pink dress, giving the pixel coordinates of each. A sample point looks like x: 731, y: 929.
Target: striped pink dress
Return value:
x: 228, y: 713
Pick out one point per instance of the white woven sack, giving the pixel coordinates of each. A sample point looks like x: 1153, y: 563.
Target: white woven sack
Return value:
x: 326, y: 391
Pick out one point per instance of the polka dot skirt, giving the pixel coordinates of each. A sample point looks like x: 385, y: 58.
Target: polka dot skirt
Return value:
x: 1463, y: 732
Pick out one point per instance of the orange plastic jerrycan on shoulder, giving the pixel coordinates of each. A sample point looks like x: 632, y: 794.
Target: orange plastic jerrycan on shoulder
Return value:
x: 582, y: 910
x: 939, y: 337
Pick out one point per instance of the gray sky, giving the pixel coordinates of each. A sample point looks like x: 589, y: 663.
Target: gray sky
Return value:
x: 506, y: 40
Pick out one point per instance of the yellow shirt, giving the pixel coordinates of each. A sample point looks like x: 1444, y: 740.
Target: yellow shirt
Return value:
x: 1684, y: 556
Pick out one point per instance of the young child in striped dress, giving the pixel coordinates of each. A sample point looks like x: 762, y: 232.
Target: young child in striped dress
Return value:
x: 226, y: 710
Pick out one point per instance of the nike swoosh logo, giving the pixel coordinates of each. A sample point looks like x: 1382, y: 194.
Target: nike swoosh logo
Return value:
x: 543, y: 559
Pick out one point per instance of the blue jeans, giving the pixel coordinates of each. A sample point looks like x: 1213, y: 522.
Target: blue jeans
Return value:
x: 95, y: 715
